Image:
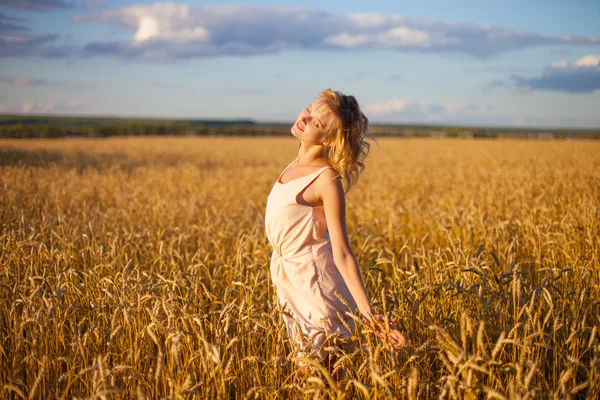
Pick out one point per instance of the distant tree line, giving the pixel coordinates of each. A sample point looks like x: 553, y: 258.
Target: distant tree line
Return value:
x: 20, y: 131
x: 48, y: 127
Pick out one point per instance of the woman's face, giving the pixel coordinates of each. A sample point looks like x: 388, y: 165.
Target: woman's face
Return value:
x: 311, y: 123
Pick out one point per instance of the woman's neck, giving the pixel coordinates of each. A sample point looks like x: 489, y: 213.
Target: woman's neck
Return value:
x: 308, y: 153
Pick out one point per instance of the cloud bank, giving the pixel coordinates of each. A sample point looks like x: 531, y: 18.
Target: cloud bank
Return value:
x: 44, y: 107
x: 16, y: 40
x: 35, y: 5
x: 582, y: 76
x: 398, y: 110
x: 167, y: 31
x: 178, y: 31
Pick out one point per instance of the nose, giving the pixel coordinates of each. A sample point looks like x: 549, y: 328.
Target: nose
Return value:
x: 304, y: 116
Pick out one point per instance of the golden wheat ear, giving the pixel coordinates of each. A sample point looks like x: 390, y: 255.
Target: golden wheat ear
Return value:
x: 138, y: 268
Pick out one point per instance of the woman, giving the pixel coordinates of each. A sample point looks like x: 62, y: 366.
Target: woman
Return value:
x: 317, y: 278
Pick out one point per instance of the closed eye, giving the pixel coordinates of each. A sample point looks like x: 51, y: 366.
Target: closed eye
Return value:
x: 315, y: 122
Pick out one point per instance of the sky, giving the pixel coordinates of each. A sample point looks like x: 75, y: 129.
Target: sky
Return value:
x: 462, y: 62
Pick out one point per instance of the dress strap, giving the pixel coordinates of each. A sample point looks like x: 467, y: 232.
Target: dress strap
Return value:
x: 313, y: 177
x: 285, y: 169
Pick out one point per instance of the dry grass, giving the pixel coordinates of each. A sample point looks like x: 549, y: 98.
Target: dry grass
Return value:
x: 139, y: 268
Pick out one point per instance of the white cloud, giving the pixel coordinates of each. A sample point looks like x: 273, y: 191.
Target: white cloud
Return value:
x: 560, y: 64
x: 389, y: 107
x: 583, y: 76
x: 43, y: 107
x: 587, y: 61
x: 364, y: 20
x: 150, y: 27
x: 590, y: 60
x: 147, y: 28
x: 346, y: 40
x: 168, y: 21
x: 409, y: 110
x: 576, y: 39
x: 180, y: 31
x: 402, y: 36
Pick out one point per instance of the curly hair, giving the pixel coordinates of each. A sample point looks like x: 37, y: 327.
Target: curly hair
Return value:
x: 346, y: 146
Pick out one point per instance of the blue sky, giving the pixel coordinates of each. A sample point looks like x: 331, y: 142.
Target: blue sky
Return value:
x: 510, y: 63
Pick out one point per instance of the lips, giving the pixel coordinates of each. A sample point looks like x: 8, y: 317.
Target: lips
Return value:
x: 298, y: 126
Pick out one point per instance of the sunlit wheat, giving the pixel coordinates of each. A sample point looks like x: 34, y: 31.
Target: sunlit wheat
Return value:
x: 138, y: 268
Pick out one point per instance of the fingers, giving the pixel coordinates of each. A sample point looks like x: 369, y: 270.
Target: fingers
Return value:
x: 385, y: 319
x: 395, y: 338
x: 384, y: 329
x: 399, y: 340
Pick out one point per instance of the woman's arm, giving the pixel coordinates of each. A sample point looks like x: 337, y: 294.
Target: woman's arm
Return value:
x: 334, y: 202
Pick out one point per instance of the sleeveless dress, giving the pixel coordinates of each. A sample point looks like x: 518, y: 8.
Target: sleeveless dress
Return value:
x: 313, y: 295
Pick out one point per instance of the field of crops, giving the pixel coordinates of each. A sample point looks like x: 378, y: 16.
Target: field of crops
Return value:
x: 138, y: 268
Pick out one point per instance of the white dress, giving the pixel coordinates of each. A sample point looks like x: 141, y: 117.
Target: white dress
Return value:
x: 313, y: 295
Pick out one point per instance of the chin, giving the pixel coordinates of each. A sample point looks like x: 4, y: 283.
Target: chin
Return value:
x: 293, y: 131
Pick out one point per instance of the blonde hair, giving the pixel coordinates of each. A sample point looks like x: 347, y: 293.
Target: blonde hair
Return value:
x: 346, y: 145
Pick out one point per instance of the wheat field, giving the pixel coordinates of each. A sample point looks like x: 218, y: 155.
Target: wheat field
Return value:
x: 138, y: 268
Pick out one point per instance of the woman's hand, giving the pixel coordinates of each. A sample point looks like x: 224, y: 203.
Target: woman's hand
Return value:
x: 386, y: 332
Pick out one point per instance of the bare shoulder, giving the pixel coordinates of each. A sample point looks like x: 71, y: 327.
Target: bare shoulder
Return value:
x: 329, y: 184
x: 330, y: 174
